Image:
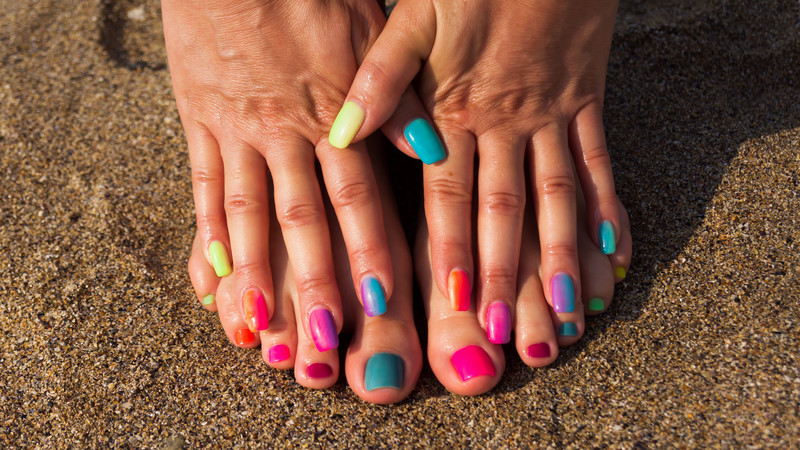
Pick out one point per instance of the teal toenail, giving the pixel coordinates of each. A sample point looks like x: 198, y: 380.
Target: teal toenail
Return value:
x: 384, y: 370
x: 567, y: 329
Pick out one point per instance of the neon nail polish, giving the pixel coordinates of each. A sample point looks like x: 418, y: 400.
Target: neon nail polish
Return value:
x: 244, y: 337
x: 498, y: 323
x: 384, y: 370
x: 373, y: 297
x: 319, y: 370
x: 472, y: 361
x: 323, y: 330
x: 608, y: 242
x: 278, y: 353
x: 208, y: 299
x: 596, y: 304
x: 567, y: 329
x: 620, y: 272
x: 540, y: 350
x: 346, y: 125
x: 219, y: 259
x: 563, y: 293
x: 423, y: 139
x: 459, y: 290
x: 255, y: 310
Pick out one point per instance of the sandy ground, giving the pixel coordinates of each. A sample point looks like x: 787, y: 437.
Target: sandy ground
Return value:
x: 103, y: 343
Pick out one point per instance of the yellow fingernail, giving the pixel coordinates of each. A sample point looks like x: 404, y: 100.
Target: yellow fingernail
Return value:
x: 346, y: 125
x: 219, y: 259
x: 620, y: 272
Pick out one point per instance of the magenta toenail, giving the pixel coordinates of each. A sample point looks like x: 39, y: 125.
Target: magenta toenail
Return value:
x: 319, y: 370
x: 540, y: 350
x: 472, y: 361
x: 278, y: 353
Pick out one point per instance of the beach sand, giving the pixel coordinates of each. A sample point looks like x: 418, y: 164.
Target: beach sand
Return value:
x: 104, y: 344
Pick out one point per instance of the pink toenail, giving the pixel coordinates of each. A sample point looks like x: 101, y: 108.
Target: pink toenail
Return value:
x: 255, y: 310
x: 472, y: 361
x: 278, y: 353
x: 498, y: 323
x: 540, y: 350
x: 323, y: 330
x: 319, y: 370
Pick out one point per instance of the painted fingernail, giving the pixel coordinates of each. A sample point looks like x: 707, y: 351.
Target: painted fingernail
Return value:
x: 244, y: 337
x: 346, y: 125
x: 208, y: 300
x: 498, y: 323
x: 219, y: 259
x: 278, y: 353
x: 384, y: 370
x: 563, y: 293
x: 567, y: 329
x: 459, y: 290
x: 608, y: 242
x: 255, y: 310
x: 373, y: 297
x: 424, y: 140
x: 323, y: 330
x: 596, y: 304
x: 319, y: 370
x: 620, y: 272
x: 540, y: 350
x: 472, y: 361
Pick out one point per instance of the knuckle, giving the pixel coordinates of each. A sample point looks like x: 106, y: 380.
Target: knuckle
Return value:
x: 557, y: 185
x: 366, y: 255
x: 204, y: 176
x: 314, y: 282
x: 597, y: 156
x: 249, y: 268
x: 353, y: 193
x: 560, y: 250
x: 449, y: 191
x: 503, y: 203
x: 298, y: 214
x: 240, y: 203
x: 502, y: 277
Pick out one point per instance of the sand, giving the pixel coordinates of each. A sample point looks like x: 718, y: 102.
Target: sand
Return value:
x: 103, y: 343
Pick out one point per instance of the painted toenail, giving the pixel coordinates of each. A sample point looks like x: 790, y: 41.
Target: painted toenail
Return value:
x: 255, y: 310
x: 323, y: 330
x: 423, y: 139
x: 219, y: 259
x: 373, y: 297
x: 498, y: 323
x: 278, y: 353
x: 319, y: 370
x: 608, y: 242
x: 563, y: 293
x: 472, y: 361
x: 346, y: 125
x: 384, y: 370
x: 208, y: 300
x: 620, y: 272
x: 459, y: 290
x: 244, y: 337
x: 540, y: 350
x: 567, y: 329
x: 596, y: 304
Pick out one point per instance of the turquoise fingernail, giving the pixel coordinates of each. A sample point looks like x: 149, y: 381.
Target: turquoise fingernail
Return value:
x: 424, y: 140
x: 384, y: 370
x: 373, y: 297
x: 608, y: 242
x: 567, y: 329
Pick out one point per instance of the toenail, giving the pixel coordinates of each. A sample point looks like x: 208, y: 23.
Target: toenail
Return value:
x: 567, y: 329
x: 384, y: 370
x: 540, y: 350
x: 373, y: 297
x: 244, y: 337
x: 255, y: 310
x: 208, y: 300
x: 596, y: 304
x: 278, y: 353
x: 346, y: 125
x: 472, y: 361
x: 498, y: 323
x: 323, y: 330
x: 620, y: 272
x: 459, y: 290
x: 608, y: 242
x: 423, y: 139
x: 319, y: 370
x: 219, y: 259
x: 563, y: 293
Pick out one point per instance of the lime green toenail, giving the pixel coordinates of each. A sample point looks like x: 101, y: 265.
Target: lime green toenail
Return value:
x: 597, y: 304
x: 620, y: 272
x: 208, y: 299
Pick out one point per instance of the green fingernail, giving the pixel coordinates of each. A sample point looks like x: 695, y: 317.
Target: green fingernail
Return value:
x: 597, y: 304
x: 219, y: 259
x: 208, y: 299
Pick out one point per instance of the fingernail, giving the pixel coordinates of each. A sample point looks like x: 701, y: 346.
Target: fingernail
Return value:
x: 567, y: 329
x: 384, y: 370
x: 319, y: 370
x: 208, y: 299
x: 244, y: 337
x: 424, y: 140
x: 255, y: 310
x: 608, y: 242
x: 498, y: 323
x: 596, y: 304
x: 323, y: 330
x: 373, y: 297
x: 472, y: 361
x: 459, y: 290
x: 219, y: 259
x: 620, y: 272
x: 346, y: 125
x: 278, y: 353
x: 563, y: 293
x: 540, y: 350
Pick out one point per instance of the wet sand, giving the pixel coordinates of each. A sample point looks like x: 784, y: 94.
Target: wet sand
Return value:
x: 103, y: 342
